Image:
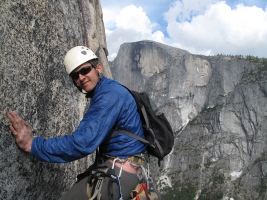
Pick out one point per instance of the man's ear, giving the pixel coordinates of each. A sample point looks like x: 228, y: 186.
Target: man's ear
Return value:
x: 99, y: 68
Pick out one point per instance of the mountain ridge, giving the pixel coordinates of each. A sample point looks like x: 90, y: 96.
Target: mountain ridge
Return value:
x: 216, y: 106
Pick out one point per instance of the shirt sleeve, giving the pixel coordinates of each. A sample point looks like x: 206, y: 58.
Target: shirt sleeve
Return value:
x: 92, y: 130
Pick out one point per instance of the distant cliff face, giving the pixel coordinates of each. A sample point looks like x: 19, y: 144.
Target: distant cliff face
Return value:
x: 34, y: 37
x: 217, y: 108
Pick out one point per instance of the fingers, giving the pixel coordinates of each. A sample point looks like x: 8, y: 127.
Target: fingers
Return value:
x: 27, y: 124
x: 12, y: 130
x: 17, y: 122
x: 10, y: 117
x: 12, y: 120
x: 13, y: 116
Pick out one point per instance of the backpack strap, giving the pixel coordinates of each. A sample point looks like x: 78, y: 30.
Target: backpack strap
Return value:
x: 117, y: 131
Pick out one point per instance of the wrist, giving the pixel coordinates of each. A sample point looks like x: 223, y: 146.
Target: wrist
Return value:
x: 28, y: 145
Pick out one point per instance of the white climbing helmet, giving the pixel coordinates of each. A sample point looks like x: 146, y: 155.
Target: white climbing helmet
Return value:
x: 77, y: 56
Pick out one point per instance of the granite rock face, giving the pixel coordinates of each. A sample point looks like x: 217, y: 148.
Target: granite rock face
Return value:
x: 217, y: 108
x: 34, y: 37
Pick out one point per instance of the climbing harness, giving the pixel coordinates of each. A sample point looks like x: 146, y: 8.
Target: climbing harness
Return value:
x: 85, y: 24
x: 143, y: 191
x: 97, y: 176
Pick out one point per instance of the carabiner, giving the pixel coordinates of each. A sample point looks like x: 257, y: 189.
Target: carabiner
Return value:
x: 113, y: 165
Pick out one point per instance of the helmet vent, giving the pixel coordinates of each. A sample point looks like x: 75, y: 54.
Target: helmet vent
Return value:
x: 84, y: 52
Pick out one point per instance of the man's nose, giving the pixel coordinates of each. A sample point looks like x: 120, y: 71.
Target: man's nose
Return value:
x: 81, y: 77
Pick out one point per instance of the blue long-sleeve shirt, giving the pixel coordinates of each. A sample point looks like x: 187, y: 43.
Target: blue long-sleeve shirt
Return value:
x: 111, y: 106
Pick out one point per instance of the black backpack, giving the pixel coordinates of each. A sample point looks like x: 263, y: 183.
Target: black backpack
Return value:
x: 157, y: 130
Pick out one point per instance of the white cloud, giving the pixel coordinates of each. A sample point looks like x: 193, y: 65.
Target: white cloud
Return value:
x: 109, y: 17
x: 133, y: 18
x: 132, y: 24
x: 186, y: 9
x: 222, y: 30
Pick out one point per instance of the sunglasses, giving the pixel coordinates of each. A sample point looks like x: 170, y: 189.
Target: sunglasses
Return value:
x: 83, y: 71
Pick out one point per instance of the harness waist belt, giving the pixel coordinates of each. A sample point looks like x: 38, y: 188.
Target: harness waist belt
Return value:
x: 135, y: 159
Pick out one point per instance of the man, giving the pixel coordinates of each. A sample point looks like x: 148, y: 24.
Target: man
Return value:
x: 111, y: 107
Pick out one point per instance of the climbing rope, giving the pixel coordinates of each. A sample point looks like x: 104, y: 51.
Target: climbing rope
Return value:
x: 85, y: 24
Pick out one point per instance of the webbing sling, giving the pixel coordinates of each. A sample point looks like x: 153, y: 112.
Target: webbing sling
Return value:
x: 97, y: 189
x: 95, y: 182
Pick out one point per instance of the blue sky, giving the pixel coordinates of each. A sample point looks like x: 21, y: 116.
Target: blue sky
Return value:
x: 206, y: 27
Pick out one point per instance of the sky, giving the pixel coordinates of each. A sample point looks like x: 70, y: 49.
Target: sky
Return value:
x: 205, y: 27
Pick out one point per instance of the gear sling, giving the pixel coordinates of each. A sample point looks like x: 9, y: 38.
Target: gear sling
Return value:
x: 96, y: 179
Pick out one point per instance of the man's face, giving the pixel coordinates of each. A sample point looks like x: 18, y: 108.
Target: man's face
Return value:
x: 88, y: 81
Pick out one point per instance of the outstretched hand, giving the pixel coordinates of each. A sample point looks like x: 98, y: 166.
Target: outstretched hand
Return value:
x: 21, y: 130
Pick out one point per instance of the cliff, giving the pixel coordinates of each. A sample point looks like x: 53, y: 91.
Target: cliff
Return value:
x: 34, y: 37
x: 217, y: 108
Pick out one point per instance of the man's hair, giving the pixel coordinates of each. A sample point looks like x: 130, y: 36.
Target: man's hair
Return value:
x: 94, y: 62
